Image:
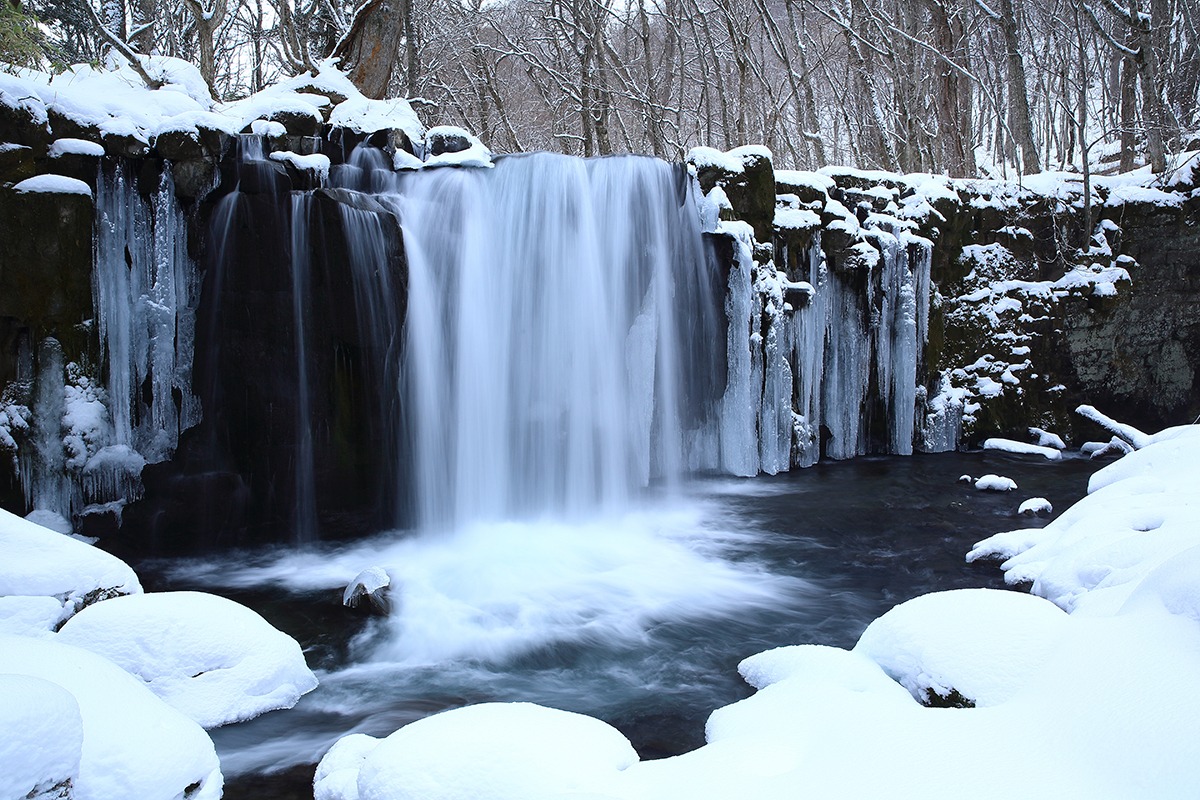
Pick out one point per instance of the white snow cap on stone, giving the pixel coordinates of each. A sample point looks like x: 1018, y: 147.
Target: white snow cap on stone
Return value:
x: 41, y: 737
x: 53, y: 184
x: 982, y: 643
x: 1036, y: 505
x: 492, y: 751
x: 1022, y: 448
x: 995, y: 483
x: 211, y: 658
x: 134, y: 745
x: 36, y: 562
x: 476, y: 155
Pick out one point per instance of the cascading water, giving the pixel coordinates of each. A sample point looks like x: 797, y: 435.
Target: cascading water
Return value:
x: 555, y: 309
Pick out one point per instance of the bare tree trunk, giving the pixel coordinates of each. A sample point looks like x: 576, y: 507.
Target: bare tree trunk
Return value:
x: 369, y: 51
x: 1020, y: 121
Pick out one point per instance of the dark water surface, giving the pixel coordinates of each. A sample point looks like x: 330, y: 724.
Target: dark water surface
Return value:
x: 817, y: 554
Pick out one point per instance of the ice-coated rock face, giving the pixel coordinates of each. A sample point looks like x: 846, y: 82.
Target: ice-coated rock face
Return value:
x: 211, y: 658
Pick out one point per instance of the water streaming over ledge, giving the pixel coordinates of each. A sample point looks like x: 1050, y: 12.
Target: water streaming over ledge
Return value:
x: 562, y: 336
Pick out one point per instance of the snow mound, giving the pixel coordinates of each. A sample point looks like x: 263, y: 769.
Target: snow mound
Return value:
x: 134, y: 745
x: 979, y: 644
x: 1035, y: 506
x: 211, y: 658
x: 52, y: 184
x: 36, y: 562
x: 337, y: 774
x: 45, y: 756
x: 30, y: 616
x: 995, y: 483
x: 493, y: 751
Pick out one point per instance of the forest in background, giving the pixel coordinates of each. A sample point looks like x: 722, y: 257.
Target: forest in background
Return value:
x: 964, y: 87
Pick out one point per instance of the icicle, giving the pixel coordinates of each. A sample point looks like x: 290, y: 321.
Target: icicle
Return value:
x: 740, y: 405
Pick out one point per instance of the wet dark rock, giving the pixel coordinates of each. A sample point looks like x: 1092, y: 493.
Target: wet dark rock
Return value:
x: 439, y: 142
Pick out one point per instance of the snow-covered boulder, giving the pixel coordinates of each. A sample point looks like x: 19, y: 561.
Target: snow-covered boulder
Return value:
x: 995, y: 483
x: 36, y: 562
x: 965, y: 646
x: 134, y: 745
x: 211, y: 658
x: 1035, y: 507
x: 41, y: 741
x: 337, y: 774
x: 492, y: 751
x: 447, y: 145
x: 371, y: 584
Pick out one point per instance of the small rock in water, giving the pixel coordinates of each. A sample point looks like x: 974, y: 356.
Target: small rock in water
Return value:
x: 372, y: 583
x: 995, y: 483
x: 1036, y: 507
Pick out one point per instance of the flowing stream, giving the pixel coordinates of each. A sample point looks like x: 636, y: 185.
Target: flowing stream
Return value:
x: 639, y: 618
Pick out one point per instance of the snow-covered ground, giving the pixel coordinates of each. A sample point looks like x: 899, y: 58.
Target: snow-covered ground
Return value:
x: 111, y: 706
x: 1083, y: 688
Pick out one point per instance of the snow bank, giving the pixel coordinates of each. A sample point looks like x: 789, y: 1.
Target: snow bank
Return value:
x: 1141, y: 512
x: 36, y: 562
x: 134, y: 745
x: 44, y: 756
x: 493, y: 751
x: 211, y: 658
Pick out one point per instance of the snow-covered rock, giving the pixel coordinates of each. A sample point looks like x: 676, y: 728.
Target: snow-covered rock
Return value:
x: 134, y: 745
x: 1035, y: 506
x: 967, y: 645
x: 337, y: 774
x: 995, y: 483
x: 492, y: 751
x: 211, y: 658
x: 1022, y: 448
x: 372, y: 583
x: 41, y: 738
x: 36, y: 562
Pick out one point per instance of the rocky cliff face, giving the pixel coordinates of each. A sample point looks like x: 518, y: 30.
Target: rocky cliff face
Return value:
x: 1028, y: 315
x: 868, y: 313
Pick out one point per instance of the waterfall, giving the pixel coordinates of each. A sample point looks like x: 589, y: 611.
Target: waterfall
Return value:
x: 556, y: 308
x: 304, y: 512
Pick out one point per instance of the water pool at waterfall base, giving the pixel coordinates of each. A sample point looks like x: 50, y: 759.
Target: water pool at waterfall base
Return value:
x: 638, y: 619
